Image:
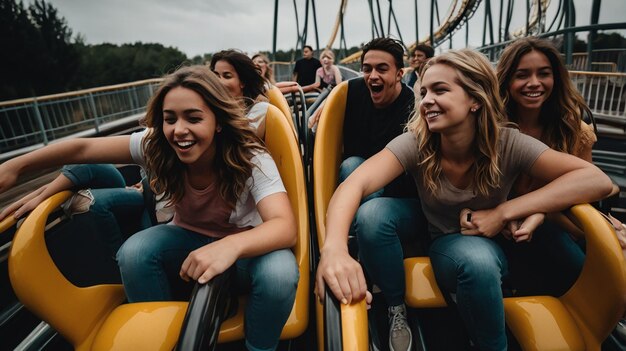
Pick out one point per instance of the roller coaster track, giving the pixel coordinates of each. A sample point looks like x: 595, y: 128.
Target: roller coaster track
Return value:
x: 342, y: 10
x: 536, y: 21
x: 458, y: 14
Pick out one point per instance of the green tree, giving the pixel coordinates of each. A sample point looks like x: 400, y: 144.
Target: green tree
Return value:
x: 58, y: 59
x: 40, y: 58
x: 106, y: 64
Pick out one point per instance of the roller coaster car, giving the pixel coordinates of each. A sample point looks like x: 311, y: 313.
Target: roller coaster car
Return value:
x: 580, y: 319
x: 94, y: 318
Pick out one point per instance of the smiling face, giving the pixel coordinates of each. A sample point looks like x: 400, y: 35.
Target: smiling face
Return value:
x: 532, y: 82
x: 229, y: 77
x: 327, y: 61
x: 445, y: 105
x: 382, y: 77
x: 189, y: 126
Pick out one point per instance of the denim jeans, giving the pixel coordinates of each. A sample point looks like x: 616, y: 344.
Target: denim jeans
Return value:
x: 473, y: 267
x: 379, y: 226
x: 547, y: 265
x: 120, y: 211
x: 151, y: 259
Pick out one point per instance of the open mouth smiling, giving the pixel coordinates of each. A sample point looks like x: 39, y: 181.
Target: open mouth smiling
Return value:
x: 432, y: 114
x: 376, y: 88
x: 185, y: 144
x: 532, y: 94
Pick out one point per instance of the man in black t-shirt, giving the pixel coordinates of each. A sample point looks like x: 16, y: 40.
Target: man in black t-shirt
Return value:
x: 304, y: 71
x: 377, y: 108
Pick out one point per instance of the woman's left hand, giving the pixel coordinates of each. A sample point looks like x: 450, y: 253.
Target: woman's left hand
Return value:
x: 527, y: 228
x: 208, y: 261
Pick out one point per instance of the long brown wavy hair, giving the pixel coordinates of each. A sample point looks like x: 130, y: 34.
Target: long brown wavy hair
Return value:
x: 478, y: 79
x: 236, y: 144
x: 562, y: 112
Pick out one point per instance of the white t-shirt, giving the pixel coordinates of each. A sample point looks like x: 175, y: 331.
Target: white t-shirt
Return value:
x: 265, y: 181
x: 257, y: 113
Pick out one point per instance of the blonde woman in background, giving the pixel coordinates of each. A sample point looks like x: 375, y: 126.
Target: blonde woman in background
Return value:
x: 328, y: 74
x: 263, y: 63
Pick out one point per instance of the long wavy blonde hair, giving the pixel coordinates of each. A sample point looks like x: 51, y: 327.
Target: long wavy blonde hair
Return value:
x: 236, y: 144
x: 477, y: 77
x: 561, y: 114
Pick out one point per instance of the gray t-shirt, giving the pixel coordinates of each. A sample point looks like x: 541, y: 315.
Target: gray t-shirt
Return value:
x: 517, y: 154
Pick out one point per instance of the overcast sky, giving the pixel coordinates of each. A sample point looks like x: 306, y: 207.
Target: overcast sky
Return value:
x: 200, y: 26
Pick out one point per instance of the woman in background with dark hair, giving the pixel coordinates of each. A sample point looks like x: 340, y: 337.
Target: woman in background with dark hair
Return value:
x: 243, y: 80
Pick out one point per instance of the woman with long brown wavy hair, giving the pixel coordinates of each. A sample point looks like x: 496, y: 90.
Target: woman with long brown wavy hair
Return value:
x: 540, y: 97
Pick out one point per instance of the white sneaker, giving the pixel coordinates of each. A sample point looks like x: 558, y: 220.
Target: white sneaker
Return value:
x: 400, y: 337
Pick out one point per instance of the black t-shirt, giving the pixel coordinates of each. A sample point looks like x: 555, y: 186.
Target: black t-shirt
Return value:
x: 367, y: 130
x: 306, y: 68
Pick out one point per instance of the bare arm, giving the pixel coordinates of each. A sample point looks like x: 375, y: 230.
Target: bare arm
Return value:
x: 277, y: 231
x: 570, y: 181
x: 82, y: 150
x: 32, y: 200
x: 311, y: 87
x: 338, y: 77
x: 343, y: 274
x: 314, y: 119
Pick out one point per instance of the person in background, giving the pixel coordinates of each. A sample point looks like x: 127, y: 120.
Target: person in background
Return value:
x: 244, y: 82
x: 305, y: 68
x: 460, y: 157
x: 263, y: 63
x: 201, y: 153
x: 328, y: 74
x: 418, y: 58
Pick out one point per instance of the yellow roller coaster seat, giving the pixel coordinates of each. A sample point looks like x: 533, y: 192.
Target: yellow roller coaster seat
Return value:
x: 326, y: 161
x: 92, y: 317
x: 584, y: 316
x: 277, y: 99
x: 421, y: 290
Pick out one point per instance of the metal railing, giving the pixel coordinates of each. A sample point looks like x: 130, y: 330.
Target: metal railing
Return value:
x: 603, y: 60
x: 283, y: 71
x: 29, y: 123
x: 604, y: 92
x: 40, y: 120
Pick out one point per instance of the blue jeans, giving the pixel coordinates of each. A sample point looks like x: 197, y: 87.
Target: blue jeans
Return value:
x: 473, y: 267
x: 151, y: 259
x: 120, y: 211
x: 379, y: 225
x: 547, y: 265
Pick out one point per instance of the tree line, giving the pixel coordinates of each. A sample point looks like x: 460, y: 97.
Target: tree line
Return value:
x: 41, y: 55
